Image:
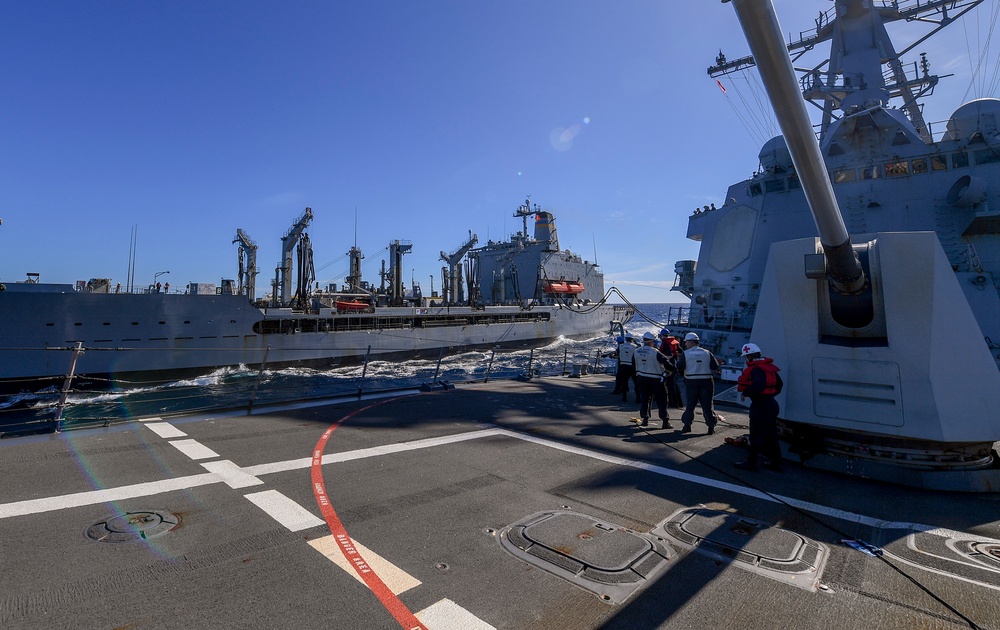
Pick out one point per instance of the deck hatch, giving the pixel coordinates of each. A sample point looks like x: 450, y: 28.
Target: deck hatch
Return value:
x: 606, y: 559
x: 754, y: 545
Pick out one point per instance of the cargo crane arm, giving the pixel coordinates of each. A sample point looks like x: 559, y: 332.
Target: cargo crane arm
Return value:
x: 453, y: 259
x: 283, y: 273
x: 247, y: 263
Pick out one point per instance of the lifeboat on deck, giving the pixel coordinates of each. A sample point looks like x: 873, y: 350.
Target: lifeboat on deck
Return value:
x: 561, y: 287
x: 351, y: 306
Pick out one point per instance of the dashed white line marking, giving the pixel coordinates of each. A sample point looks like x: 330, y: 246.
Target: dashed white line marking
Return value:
x: 231, y: 474
x: 194, y: 449
x: 165, y: 430
x: 447, y: 615
x: 284, y: 510
x: 33, y: 506
x: 396, y: 579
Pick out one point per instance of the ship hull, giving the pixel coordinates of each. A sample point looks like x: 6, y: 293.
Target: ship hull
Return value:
x: 128, y: 338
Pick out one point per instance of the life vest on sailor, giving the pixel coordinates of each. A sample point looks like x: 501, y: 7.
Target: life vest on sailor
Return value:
x: 772, y: 382
x: 646, y: 362
x: 697, y: 363
x: 625, y: 353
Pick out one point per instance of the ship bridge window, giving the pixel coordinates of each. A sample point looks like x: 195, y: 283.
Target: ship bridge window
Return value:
x: 939, y: 163
x: 960, y: 159
x: 987, y: 156
x: 895, y: 169
x: 871, y: 172
x: 755, y: 190
x: 774, y: 185
x: 844, y: 175
x: 834, y: 149
x: 920, y: 166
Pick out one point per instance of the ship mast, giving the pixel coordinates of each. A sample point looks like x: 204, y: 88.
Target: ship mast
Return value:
x: 852, y: 78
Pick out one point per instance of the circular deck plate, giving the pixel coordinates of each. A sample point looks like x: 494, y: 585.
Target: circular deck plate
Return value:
x: 132, y: 526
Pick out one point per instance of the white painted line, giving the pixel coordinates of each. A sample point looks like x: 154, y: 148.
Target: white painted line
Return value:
x: 165, y: 430
x: 398, y: 580
x: 33, y: 506
x: 447, y: 615
x: 194, y: 449
x: 151, y: 419
x: 389, y: 449
x: 109, y: 495
x: 231, y: 474
x: 284, y: 510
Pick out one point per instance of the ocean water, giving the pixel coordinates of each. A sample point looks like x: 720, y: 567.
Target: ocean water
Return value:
x: 235, y: 387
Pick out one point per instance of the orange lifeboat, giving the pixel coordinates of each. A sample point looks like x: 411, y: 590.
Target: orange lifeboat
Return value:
x: 562, y: 287
x: 351, y: 306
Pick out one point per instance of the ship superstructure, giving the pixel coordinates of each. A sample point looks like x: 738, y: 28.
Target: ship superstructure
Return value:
x: 890, y: 169
x: 535, y: 293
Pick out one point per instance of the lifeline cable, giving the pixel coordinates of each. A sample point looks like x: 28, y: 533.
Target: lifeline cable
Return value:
x: 972, y: 624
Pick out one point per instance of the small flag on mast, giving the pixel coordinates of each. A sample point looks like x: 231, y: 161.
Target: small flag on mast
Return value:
x: 721, y: 87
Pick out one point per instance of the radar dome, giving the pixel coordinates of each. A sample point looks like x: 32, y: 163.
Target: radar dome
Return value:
x: 979, y: 115
x: 774, y: 156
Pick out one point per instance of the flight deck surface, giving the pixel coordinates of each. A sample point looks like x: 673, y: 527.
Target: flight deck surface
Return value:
x: 506, y: 505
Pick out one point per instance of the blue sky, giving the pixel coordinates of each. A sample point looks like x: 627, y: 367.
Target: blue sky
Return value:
x: 428, y: 118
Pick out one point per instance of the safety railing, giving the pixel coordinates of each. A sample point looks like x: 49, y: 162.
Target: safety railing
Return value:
x: 88, y: 402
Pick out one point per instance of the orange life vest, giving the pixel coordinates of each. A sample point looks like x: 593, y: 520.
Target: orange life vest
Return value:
x: 770, y: 370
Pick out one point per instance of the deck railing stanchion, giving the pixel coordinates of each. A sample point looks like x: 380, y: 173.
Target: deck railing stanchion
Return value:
x: 489, y: 366
x: 364, y: 371
x: 66, y: 384
x: 565, y: 358
x: 260, y: 374
x: 437, y: 370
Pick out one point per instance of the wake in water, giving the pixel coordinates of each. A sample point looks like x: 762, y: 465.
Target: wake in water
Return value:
x: 235, y: 387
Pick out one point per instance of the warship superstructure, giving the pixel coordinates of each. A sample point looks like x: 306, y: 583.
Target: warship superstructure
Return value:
x: 522, y: 293
x: 891, y: 171
x: 884, y: 335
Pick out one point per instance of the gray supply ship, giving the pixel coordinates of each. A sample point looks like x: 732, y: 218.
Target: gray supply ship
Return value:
x: 521, y: 293
x: 891, y: 171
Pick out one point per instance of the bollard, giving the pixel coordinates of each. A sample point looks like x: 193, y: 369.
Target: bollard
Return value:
x: 65, y: 388
x: 260, y: 374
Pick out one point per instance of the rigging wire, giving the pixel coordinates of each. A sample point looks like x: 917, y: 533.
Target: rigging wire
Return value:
x: 814, y: 517
x: 978, y: 81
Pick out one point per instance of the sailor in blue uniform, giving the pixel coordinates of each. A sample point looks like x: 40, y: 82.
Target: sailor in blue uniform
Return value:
x: 761, y: 382
x: 698, y: 366
x: 650, y: 370
x: 626, y: 369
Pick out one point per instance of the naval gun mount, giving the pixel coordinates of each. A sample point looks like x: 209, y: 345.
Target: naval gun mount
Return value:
x: 887, y: 372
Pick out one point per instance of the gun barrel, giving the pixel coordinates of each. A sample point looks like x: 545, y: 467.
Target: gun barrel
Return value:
x: 760, y: 25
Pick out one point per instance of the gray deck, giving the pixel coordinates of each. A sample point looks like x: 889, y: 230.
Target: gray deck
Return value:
x: 428, y: 482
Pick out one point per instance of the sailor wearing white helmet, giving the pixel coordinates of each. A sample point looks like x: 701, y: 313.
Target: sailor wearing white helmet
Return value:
x: 761, y: 382
x: 650, y: 370
x: 626, y: 369
x: 698, y: 366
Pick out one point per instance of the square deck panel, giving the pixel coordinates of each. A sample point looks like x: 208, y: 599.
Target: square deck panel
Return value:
x: 754, y: 545
x: 609, y: 560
